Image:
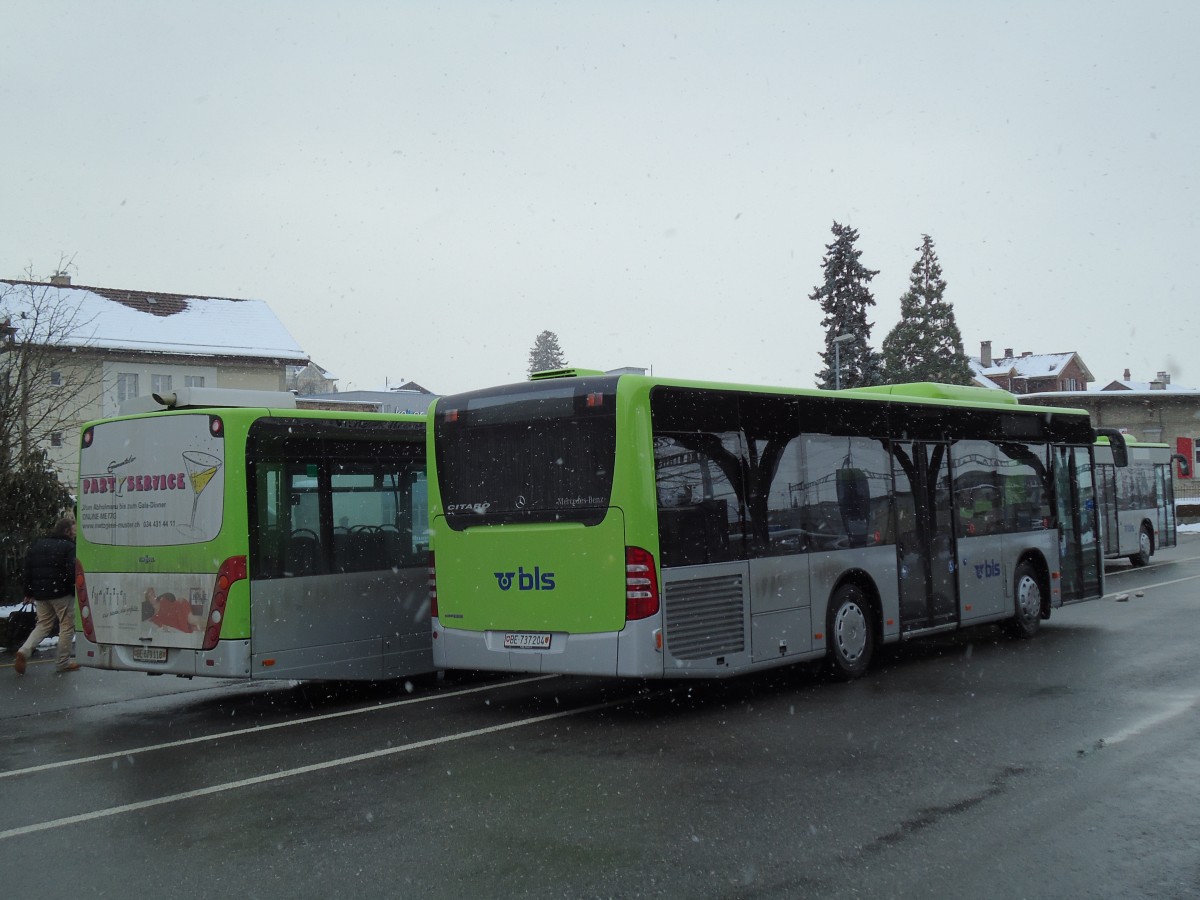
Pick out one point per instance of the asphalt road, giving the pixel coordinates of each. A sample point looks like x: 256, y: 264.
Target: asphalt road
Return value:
x: 965, y: 766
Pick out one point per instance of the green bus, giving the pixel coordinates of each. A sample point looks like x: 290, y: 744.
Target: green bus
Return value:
x: 232, y: 534
x: 629, y: 525
x: 1137, y: 501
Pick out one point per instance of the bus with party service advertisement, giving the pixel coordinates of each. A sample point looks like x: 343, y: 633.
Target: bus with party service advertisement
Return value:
x: 232, y: 534
x: 631, y: 525
x: 1137, y: 501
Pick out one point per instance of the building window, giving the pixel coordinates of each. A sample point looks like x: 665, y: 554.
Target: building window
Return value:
x: 56, y: 439
x: 193, y: 381
x: 56, y: 378
x: 160, y: 384
x: 127, y: 386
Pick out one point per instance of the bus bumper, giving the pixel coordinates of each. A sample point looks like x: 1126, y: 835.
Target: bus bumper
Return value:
x: 568, y: 654
x: 229, y: 659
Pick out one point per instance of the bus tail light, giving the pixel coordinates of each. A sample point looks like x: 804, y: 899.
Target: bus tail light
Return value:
x: 433, y: 609
x: 85, y: 607
x: 641, y: 584
x: 231, y: 571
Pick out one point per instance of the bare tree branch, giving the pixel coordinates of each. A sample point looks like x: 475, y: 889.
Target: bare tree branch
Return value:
x: 41, y: 391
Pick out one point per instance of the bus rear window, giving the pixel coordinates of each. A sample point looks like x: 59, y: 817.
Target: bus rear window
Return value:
x: 151, y: 482
x: 539, y: 452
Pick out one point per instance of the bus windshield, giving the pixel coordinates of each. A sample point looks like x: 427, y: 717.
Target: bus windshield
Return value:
x: 528, y: 453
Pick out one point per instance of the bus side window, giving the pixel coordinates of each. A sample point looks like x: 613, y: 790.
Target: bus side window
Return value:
x: 268, y: 538
x: 374, y: 502
x: 854, y: 504
x: 780, y: 500
x: 977, y: 495
x: 696, y: 503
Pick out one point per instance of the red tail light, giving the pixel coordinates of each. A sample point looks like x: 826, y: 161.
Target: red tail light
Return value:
x: 85, y: 608
x: 231, y: 571
x: 641, y: 584
x: 433, y: 609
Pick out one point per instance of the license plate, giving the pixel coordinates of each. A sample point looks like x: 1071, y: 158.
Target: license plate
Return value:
x: 525, y: 640
x: 150, y: 654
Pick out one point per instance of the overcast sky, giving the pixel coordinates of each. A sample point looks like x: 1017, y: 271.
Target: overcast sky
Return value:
x: 419, y: 189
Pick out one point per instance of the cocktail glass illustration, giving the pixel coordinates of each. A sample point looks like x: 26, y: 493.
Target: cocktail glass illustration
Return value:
x: 201, y: 467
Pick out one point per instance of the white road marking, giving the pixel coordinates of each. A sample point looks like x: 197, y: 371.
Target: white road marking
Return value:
x: 1178, y: 706
x: 1152, y: 586
x: 133, y: 751
x: 299, y: 770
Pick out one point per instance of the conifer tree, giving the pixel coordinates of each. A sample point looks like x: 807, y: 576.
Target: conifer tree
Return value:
x: 844, y: 298
x: 926, y: 344
x: 545, y: 353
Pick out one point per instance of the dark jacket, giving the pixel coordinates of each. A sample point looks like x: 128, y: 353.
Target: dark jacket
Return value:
x: 50, y: 568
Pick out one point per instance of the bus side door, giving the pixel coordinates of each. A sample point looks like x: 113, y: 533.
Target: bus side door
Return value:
x: 1075, y: 508
x: 924, y: 535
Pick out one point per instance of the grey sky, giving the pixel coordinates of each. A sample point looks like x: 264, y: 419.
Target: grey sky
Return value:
x: 418, y: 189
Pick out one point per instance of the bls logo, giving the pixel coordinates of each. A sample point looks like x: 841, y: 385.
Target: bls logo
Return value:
x: 987, y: 570
x: 537, y: 580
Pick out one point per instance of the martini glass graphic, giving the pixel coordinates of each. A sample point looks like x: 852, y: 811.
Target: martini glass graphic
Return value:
x: 201, y: 467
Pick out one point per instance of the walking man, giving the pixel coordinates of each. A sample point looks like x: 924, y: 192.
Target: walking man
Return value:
x: 50, y: 581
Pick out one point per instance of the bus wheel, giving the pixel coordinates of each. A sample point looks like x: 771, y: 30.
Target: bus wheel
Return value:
x: 1145, y: 542
x: 1027, y: 601
x: 851, y: 638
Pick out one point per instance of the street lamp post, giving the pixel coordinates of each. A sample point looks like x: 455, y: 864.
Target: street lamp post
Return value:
x: 837, y: 359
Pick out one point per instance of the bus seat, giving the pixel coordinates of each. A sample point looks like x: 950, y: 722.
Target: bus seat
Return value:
x: 397, y: 548
x: 342, y: 550
x: 304, y: 555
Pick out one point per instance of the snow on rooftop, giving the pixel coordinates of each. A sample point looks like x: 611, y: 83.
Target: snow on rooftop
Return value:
x: 979, y: 374
x: 1036, y: 365
x: 158, y: 323
x: 1139, y: 386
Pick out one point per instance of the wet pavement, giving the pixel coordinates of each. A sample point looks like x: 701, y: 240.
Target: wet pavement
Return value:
x: 966, y: 765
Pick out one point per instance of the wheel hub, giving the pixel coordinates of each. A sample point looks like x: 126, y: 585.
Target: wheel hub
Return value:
x: 850, y: 631
x: 1029, y: 596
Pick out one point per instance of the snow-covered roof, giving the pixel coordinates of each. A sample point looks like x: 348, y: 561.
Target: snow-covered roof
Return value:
x: 314, y: 367
x: 1122, y: 385
x: 979, y: 375
x: 148, y: 322
x: 1033, y: 365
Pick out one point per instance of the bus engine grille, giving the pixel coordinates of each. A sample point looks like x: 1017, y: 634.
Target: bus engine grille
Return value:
x: 705, y: 617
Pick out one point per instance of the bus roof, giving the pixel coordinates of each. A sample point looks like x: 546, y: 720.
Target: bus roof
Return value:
x: 923, y: 392
x: 1134, y: 442
x: 207, y: 398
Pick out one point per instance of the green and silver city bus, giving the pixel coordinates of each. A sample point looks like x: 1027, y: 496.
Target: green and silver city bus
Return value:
x: 234, y: 535
x: 639, y: 526
x: 1137, y: 502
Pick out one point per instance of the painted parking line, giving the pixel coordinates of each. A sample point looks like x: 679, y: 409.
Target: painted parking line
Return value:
x: 1175, y: 707
x: 299, y: 770
x: 150, y: 748
x: 1148, y: 587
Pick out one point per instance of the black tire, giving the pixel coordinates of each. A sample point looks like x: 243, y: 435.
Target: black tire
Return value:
x: 1145, y: 548
x: 1028, y: 598
x: 850, y: 631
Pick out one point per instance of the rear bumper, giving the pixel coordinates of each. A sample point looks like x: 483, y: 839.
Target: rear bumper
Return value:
x: 229, y: 659
x: 607, y: 654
